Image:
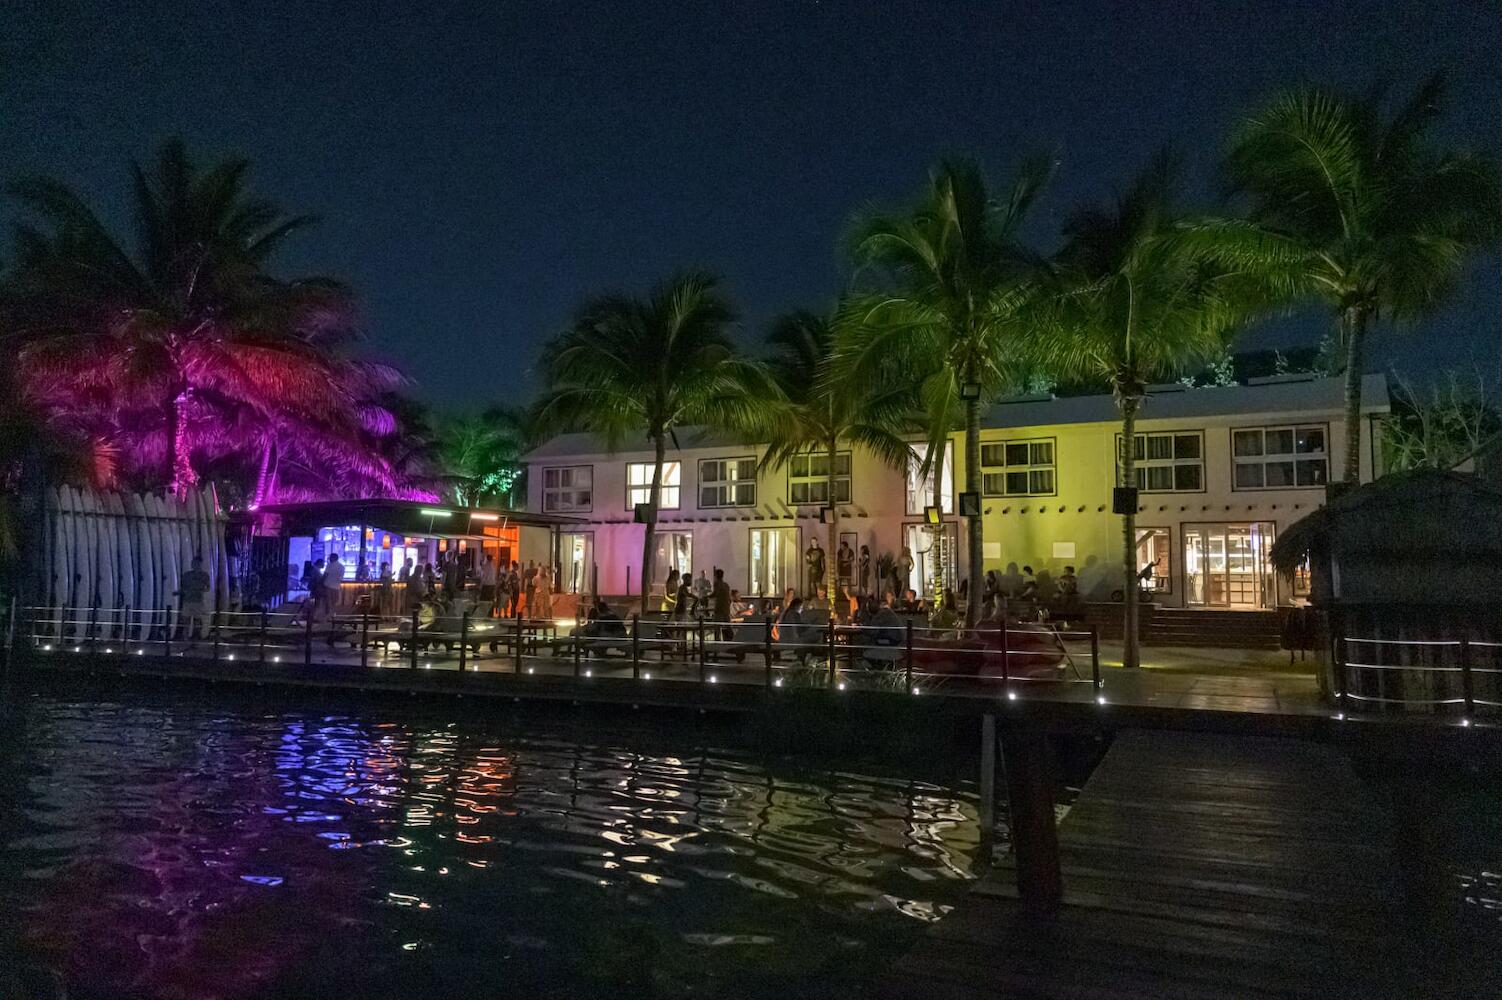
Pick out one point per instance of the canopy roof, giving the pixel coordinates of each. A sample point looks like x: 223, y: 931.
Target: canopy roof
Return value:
x: 403, y: 517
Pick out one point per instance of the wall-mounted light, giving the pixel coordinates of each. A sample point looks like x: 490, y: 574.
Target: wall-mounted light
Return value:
x: 970, y: 391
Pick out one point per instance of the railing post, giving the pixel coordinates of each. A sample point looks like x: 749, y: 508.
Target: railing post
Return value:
x: 517, y: 651
x: 767, y: 644
x: 307, y: 641
x: 702, y: 667
x: 124, y: 628
x: 578, y: 638
x: 412, y: 645
x: 908, y: 657
x: 1006, y: 658
x: 1095, y: 657
x: 167, y: 631
x: 93, y: 624
x: 365, y: 637
x: 636, y: 645
x: 261, y: 640
x: 214, y: 635
x: 1467, y: 682
x: 10, y: 636
x: 463, y: 641
x: 833, y: 668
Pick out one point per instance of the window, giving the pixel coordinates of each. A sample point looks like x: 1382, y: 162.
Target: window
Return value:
x: 775, y: 561
x: 727, y: 482
x: 568, y: 490
x: 1168, y: 463
x: 674, y: 550
x: 1279, y: 458
x: 639, y: 484
x: 808, y: 478
x: 920, y: 490
x: 1018, y: 468
x: 1153, y: 560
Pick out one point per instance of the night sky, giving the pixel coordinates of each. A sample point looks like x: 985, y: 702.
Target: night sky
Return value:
x: 482, y: 167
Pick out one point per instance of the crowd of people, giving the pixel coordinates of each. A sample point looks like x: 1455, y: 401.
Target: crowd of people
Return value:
x: 489, y: 587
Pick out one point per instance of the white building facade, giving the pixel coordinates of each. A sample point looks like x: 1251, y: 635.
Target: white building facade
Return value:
x: 1221, y: 472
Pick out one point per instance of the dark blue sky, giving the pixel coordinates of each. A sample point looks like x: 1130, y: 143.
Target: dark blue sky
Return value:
x: 481, y: 167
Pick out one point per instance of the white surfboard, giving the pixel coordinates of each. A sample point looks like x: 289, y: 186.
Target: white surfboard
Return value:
x: 218, y: 525
x: 104, y: 565
x: 140, y: 567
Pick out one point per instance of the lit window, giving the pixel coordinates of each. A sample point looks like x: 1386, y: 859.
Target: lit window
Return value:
x: 1279, y: 458
x: 639, y: 484
x: 727, y: 482
x: 808, y: 478
x: 1168, y: 463
x: 568, y: 489
x: 1018, y: 468
x: 1153, y: 567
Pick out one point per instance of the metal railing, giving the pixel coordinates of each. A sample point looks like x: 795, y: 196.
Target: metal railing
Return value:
x: 898, y: 656
x: 1422, y: 674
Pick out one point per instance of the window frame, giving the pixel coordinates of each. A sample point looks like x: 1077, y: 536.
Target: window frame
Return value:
x: 631, y: 507
x: 547, y: 509
x: 1030, y: 468
x: 808, y: 455
x: 1172, y: 463
x: 1293, y: 456
x: 730, y: 483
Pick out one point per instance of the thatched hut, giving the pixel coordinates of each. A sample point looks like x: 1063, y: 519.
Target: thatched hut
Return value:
x: 1408, y: 570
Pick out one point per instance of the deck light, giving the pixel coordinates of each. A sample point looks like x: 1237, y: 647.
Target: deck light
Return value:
x: 141, y: 652
x: 47, y: 648
x: 229, y: 657
x: 430, y: 512
x: 427, y: 666
x: 276, y: 659
x: 1465, y: 722
x: 589, y: 673
x: 646, y: 675
x: 531, y: 670
x: 777, y: 682
x: 1011, y: 696
x: 916, y: 691
x: 713, y: 679
x: 841, y: 685
x: 78, y: 649
x: 1100, y: 699
x: 107, y: 649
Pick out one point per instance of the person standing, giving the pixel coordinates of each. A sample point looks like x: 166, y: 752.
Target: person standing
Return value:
x: 814, y: 558
x: 865, y: 570
x: 529, y: 584
x: 192, y: 589
x: 683, y: 606
x: 333, y: 580
x: 487, y: 583
x: 720, y: 600
x: 544, y: 591
x: 904, y: 569
x: 844, y: 564
x: 670, y: 592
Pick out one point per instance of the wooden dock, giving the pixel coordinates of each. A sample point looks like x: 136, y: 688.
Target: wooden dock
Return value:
x: 1193, y: 866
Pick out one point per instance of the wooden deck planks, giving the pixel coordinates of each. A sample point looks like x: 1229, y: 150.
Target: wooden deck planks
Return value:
x: 1194, y: 866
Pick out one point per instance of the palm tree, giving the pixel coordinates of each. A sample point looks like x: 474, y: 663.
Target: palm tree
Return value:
x: 950, y: 305
x: 634, y: 366
x: 480, y: 454
x: 185, y: 342
x: 1136, y: 303
x: 1359, y: 211
x: 820, y: 411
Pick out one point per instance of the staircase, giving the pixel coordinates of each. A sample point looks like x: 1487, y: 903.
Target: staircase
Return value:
x: 1234, y: 629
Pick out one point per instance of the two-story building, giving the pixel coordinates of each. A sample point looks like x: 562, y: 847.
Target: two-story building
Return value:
x: 1220, y: 471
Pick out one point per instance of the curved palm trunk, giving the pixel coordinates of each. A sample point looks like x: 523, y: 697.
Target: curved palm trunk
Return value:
x: 1353, y: 328
x: 832, y: 560
x: 649, y: 538
x: 1130, y: 654
x: 975, y: 542
x: 936, y: 549
x: 265, y: 479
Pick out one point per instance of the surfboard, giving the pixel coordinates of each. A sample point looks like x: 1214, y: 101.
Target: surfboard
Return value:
x: 145, y: 600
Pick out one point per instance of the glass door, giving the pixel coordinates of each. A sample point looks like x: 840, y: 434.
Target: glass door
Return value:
x: 934, y: 549
x: 775, y: 561
x: 1229, y: 566
x: 577, y: 555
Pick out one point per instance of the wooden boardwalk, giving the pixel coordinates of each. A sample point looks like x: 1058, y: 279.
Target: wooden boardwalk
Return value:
x: 1194, y: 866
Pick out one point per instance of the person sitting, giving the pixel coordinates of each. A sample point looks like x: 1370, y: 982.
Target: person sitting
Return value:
x: 883, y: 634
x: 602, y: 622
x: 946, y: 617
x: 789, y: 629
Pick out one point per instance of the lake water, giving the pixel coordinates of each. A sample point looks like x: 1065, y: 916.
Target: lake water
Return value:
x: 185, y: 848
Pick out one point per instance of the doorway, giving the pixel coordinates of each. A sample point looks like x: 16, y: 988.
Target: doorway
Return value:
x: 1230, y: 566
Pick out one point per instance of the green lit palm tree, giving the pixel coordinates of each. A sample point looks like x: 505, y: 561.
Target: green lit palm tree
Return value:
x: 632, y: 368
x: 950, y: 303
x: 480, y: 454
x: 1358, y: 210
x: 181, y: 341
x: 1136, y: 303
x: 820, y: 410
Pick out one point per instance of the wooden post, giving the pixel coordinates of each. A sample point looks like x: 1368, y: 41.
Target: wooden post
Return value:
x: 1467, y: 682
x: 1035, y: 837
x: 214, y: 632
x: 578, y: 639
x: 833, y: 670
x: 1006, y: 658
x: 1095, y: 657
x: 987, y: 774
x: 261, y: 640
x: 701, y: 651
x: 518, y: 637
x: 908, y: 661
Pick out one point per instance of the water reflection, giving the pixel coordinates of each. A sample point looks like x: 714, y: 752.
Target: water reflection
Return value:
x: 221, y: 855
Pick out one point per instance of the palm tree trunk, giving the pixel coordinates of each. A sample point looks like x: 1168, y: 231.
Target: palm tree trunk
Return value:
x: 936, y: 549
x: 1353, y: 323
x: 649, y: 538
x: 1130, y: 654
x: 976, y: 541
x: 180, y: 474
x: 831, y: 561
x: 267, y: 475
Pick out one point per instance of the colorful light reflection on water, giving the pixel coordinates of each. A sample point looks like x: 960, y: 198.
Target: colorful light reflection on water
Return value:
x: 179, y: 851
